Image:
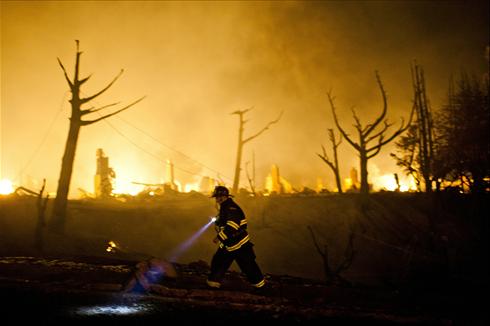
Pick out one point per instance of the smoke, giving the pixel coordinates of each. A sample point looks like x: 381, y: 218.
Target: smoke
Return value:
x: 199, y: 61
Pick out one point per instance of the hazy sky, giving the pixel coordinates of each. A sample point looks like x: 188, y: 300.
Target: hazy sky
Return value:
x: 199, y: 61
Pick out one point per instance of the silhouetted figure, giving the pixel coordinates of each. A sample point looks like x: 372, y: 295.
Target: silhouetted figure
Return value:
x: 234, y: 242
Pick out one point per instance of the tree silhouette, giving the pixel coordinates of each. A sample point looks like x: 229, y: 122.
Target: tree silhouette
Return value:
x: 251, y: 179
x: 59, y: 208
x: 463, y: 131
x: 242, y: 141
x: 332, y: 274
x: 335, y: 164
x: 42, y: 204
x: 407, y: 156
x: 367, y: 134
x: 417, y: 146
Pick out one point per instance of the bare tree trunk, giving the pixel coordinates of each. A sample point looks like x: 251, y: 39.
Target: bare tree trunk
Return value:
x: 251, y: 180
x: 41, y: 222
x: 367, y: 134
x: 238, y: 163
x: 364, y: 172
x: 337, y: 172
x: 333, y: 275
x: 58, y: 219
x: 335, y: 164
x: 424, y: 125
x: 242, y: 142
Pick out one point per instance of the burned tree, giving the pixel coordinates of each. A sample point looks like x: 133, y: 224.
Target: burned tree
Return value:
x: 335, y: 164
x: 42, y: 204
x: 407, y: 155
x: 242, y: 142
x: 251, y: 179
x: 332, y: 275
x: 367, y: 134
x: 425, y: 126
x: 463, y: 130
x: 76, y: 122
x: 417, y: 147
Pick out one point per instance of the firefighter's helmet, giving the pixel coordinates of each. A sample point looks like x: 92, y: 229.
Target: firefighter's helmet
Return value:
x: 220, y: 191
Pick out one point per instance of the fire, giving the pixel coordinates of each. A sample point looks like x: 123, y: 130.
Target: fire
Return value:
x: 6, y: 187
x: 111, y: 246
x: 348, y: 183
x: 191, y: 187
x: 178, y: 185
x: 126, y: 187
x: 388, y: 182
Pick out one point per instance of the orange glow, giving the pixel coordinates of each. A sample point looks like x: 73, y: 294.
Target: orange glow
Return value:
x: 284, y: 185
x: 348, y: 183
x: 111, y: 246
x: 191, y: 187
x: 122, y: 186
x: 388, y: 182
x: 6, y: 187
x: 199, y: 61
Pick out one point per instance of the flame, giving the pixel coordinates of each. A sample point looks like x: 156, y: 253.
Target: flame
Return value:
x: 284, y: 184
x: 126, y: 187
x: 178, y: 184
x: 347, y: 183
x: 388, y: 182
x: 191, y: 187
x: 6, y: 187
x: 111, y: 246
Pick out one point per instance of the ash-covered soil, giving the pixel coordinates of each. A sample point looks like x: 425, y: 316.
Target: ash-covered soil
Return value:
x: 54, y: 290
x: 419, y: 261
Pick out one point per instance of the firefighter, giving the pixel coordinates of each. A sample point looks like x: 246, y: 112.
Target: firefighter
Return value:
x: 234, y: 242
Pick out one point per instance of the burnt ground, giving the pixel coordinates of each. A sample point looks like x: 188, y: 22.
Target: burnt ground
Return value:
x: 79, y: 290
x: 420, y: 261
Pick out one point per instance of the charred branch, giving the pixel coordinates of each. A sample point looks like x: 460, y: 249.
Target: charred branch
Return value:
x: 242, y: 141
x: 246, y: 140
x: 385, y: 108
x: 66, y: 75
x: 366, y: 151
x: 344, y: 134
x: 87, y: 99
x: 93, y: 109
x: 325, y: 158
x: 335, y: 164
x: 333, y: 275
x: 89, y: 122
x: 42, y: 204
x: 60, y: 202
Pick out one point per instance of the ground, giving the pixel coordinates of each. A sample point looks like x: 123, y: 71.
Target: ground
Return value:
x: 82, y: 289
x: 395, y: 279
